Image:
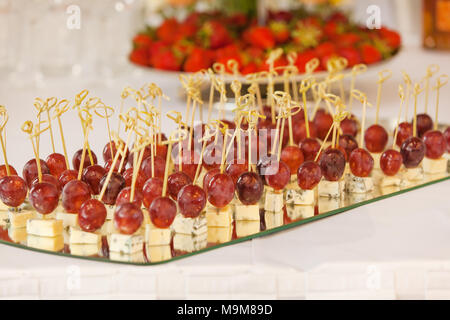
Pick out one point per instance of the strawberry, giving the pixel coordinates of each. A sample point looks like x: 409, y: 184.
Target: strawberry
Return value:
x: 260, y: 37
x: 370, y: 54
x: 142, y: 40
x: 198, y: 59
x: 230, y: 52
x: 250, y: 68
x: 214, y: 35
x: 166, y: 59
x: 348, y: 39
x: 351, y: 54
x: 280, y: 62
x: 338, y: 17
x: 140, y: 56
x: 168, y: 31
x: 325, y: 49
x: 303, y: 58
x: 280, y: 31
x: 391, y: 37
x: 307, y: 34
x: 285, y: 16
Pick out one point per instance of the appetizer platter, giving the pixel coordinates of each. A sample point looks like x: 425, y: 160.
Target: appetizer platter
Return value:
x: 281, y: 161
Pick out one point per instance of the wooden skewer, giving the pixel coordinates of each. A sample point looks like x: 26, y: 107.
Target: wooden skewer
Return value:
x: 382, y: 77
x: 431, y: 70
x: 417, y: 91
x: 4, y: 116
x: 401, y: 94
x: 120, y: 149
x: 59, y: 111
x: 440, y: 82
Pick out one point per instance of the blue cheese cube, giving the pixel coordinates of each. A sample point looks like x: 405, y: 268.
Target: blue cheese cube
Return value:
x: 190, y: 226
x: 331, y: 189
x: 247, y: 228
x: 78, y: 236
x: 359, y: 185
x: 68, y: 219
x: 190, y: 243
x: 412, y: 174
x: 299, y: 196
x: 329, y: 204
x: 434, y: 166
x: 250, y: 212
x: 126, y: 244
x: 219, y: 217
x: 220, y: 234
x: 19, y: 219
x: 158, y: 253
x: 296, y: 212
x: 388, y: 181
x: 274, y: 201
x: 273, y: 219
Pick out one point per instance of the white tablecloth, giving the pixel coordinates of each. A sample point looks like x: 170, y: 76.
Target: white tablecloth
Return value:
x: 396, y: 248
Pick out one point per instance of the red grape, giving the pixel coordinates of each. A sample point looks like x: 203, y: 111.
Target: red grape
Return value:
x: 162, y: 212
x: 92, y: 215
x: 191, y: 201
x: 293, y: 157
x: 361, y: 162
x: 299, y: 116
x: 435, y: 144
x: 308, y: 175
x: 413, y: 151
x: 147, y: 154
x: 339, y: 147
x: 4, y: 173
x: 74, y: 194
x: 390, y: 162
x: 405, y: 130
x: 207, y: 178
x: 376, y: 138
x: 125, y: 196
x: 348, y: 143
x: 189, y: 162
x: 161, y: 150
x: 350, y: 126
x: 108, y: 165
x: 220, y: 190
x: 140, y: 179
x: 447, y: 138
x: 107, y: 152
x: 322, y: 121
x: 309, y: 148
x: 234, y: 170
x: 76, y: 160
x: 30, y: 170
x: 56, y: 163
x: 175, y: 182
x: 66, y: 177
x: 299, y: 131
x: 249, y: 188
x: 332, y: 164
x: 92, y: 176
x: 115, y: 185
x: 128, y: 218
x: 49, y: 179
x: 152, y: 189
x: 160, y: 167
x: 424, y: 123
x: 212, y: 157
x: 13, y: 190
x: 277, y: 175
x: 44, y: 197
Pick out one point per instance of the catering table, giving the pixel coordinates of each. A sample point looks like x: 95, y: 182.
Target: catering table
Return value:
x: 395, y: 248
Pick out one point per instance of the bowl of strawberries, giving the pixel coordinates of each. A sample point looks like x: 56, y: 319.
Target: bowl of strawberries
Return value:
x: 205, y: 38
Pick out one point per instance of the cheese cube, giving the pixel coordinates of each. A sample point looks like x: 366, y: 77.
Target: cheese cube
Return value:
x: 193, y: 226
x: 377, y: 176
x: 19, y: 219
x: 4, y: 218
x: 107, y: 228
x: 219, y: 217
x: 45, y: 228
x: 189, y: 243
x: 125, y: 243
x: 273, y: 219
x: 246, y: 228
x: 136, y: 257
x: 46, y: 243
x: 434, y: 166
x: 158, y: 253
x: 274, y: 201
x: 328, y: 204
x: 78, y: 236
x: 331, y: 189
x: 18, y: 235
x: 376, y: 159
x: 220, y: 234
x: 68, y: 219
x: 3, y: 207
x: 296, y: 212
x: 389, y: 181
x: 413, y: 174
x: 85, y: 250
x: 156, y: 236
x: 248, y: 213
x: 110, y: 212
x: 359, y: 185
x: 389, y: 189
x: 299, y: 196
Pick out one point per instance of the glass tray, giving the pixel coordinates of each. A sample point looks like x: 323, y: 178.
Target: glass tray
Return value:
x: 269, y: 223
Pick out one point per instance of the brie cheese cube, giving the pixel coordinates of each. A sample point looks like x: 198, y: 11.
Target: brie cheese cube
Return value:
x: 273, y: 219
x: 85, y: 250
x: 389, y: 181
x: 78, y: 236
x: 376, y: 159
x: 110, y: 212
x: 274, y: 201
x: 46, y: 243
x: 68, y: 219
x: 125, y: 243
x: 158, y: 253
x: 137, y: 257
x: 156, y: 236
x: 19, y: 219
x: 249, y: 213
x: 220, y: 234
x: 299, y: 196
x: 359, y: 185
x: 45, y: 228
x: 296, y: 212
x: 18, y: 235
x: 190, y: 226
x: 434, y: 166
x: 247, y: 228
x: 413, y: 174
x: 190, y: 243
x: 331, y: 189
x: 219, y: 217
